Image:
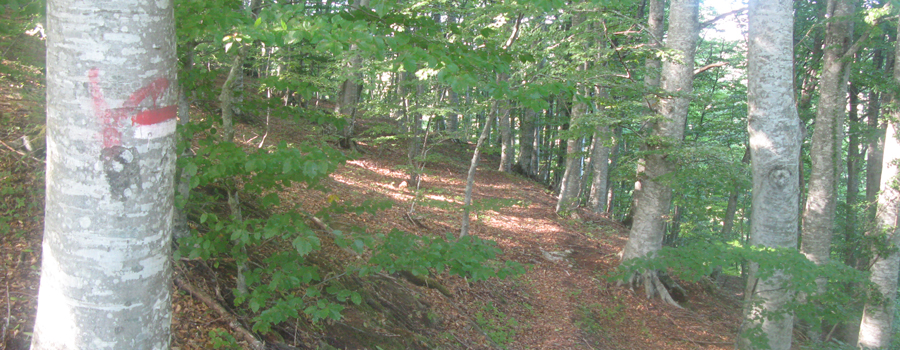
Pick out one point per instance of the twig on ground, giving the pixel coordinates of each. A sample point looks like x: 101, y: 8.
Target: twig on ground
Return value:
x: 460, y: 341
x: 232, y: 321
x: 20, y: 152
x: 700, y: 342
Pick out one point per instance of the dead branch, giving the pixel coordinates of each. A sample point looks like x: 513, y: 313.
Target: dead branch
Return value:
x: 719, y: 17
x: 425, y: 281
x: 232, y: 321
x: 709, y: 66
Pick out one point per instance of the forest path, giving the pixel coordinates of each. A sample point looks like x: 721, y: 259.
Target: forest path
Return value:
x: 563, y: 301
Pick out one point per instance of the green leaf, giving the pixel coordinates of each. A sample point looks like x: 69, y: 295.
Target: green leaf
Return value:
x: 302, y: 246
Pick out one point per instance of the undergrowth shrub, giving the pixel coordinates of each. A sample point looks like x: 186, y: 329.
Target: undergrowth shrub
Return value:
x: 697, y: 261
x: 285, y: 284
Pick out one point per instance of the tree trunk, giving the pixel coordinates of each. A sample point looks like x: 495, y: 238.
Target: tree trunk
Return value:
x: 526, y: 143
x: 827, y: 139
x: 874, y: 154
x: 613, y: 162
x: 655, y: 20
x: 507, y: 152
x: 570, y: 185
x: 106, y: 274
x: 348, y: 97
x: 853, y: 160
x: 453, y: 118
x: 731, y: 209
x: 470, y: 177
x: 876, y: 328
x: 653, y: 196
x: 775, y: 139
x: 600, y: 166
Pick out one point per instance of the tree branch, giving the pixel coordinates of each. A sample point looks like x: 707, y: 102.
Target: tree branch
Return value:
x: 709, y: 66
x: 243, y: 333
x: 719, y: 17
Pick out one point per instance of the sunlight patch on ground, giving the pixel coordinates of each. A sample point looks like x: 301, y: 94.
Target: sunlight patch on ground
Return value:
x: 373, y: 167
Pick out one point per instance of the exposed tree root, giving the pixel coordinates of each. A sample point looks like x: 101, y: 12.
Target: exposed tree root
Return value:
x: 654, y: 286
x: 242, y: 332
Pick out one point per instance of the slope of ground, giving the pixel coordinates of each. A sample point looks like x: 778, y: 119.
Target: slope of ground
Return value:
x: 563, y: 301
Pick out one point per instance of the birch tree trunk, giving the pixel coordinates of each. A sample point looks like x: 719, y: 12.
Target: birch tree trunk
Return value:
x: 775, y: 139
x: 827, y: 138
x: 876, y: 327
x: 653, y: 196
x: 111, y: 104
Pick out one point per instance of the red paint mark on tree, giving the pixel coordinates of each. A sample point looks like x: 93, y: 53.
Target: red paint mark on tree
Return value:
x: 111, y: 118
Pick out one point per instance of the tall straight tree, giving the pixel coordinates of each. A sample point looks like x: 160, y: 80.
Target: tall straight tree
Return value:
x: 818, y: 217
x: 111, y: 105
x: 876, y: 328
x: 652, y: 195
x: 775, y: 138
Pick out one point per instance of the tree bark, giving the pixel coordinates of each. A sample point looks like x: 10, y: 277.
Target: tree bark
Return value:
x: 874, y: 154
x: 731, y: 209
x: 470, y: 177
x: 570, y: 186
x: 853, y: 161
x: 653, y: 196
x: 600, y: 166
x: 111, y: 105
x: 827, y: 138
x: 507, y: 151
x: 526, y: 143
x: 348, y: 99
x: 876, y: 327
x: 775, y: 139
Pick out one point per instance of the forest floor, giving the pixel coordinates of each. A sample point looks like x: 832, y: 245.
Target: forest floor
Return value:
x: 562, y: 301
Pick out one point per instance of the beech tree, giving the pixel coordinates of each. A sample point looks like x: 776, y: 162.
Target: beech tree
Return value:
x: 111, y: 105
x: 775, y: 139
x: 818, y: 216
x: 653, y: 195
x: 876, y: 327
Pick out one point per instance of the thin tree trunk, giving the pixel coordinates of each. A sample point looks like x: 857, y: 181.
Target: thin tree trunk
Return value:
x: 600, y: 166
x: 775, y: 139
x: 226, y: 99
x: 874, y: 154
x: 453, y: 118
x: 613, y: 162
x: 106, y: 273
x: 470, y: 177
x: 854, y: 157
x: 507, y: 152
x: 731, y: 209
